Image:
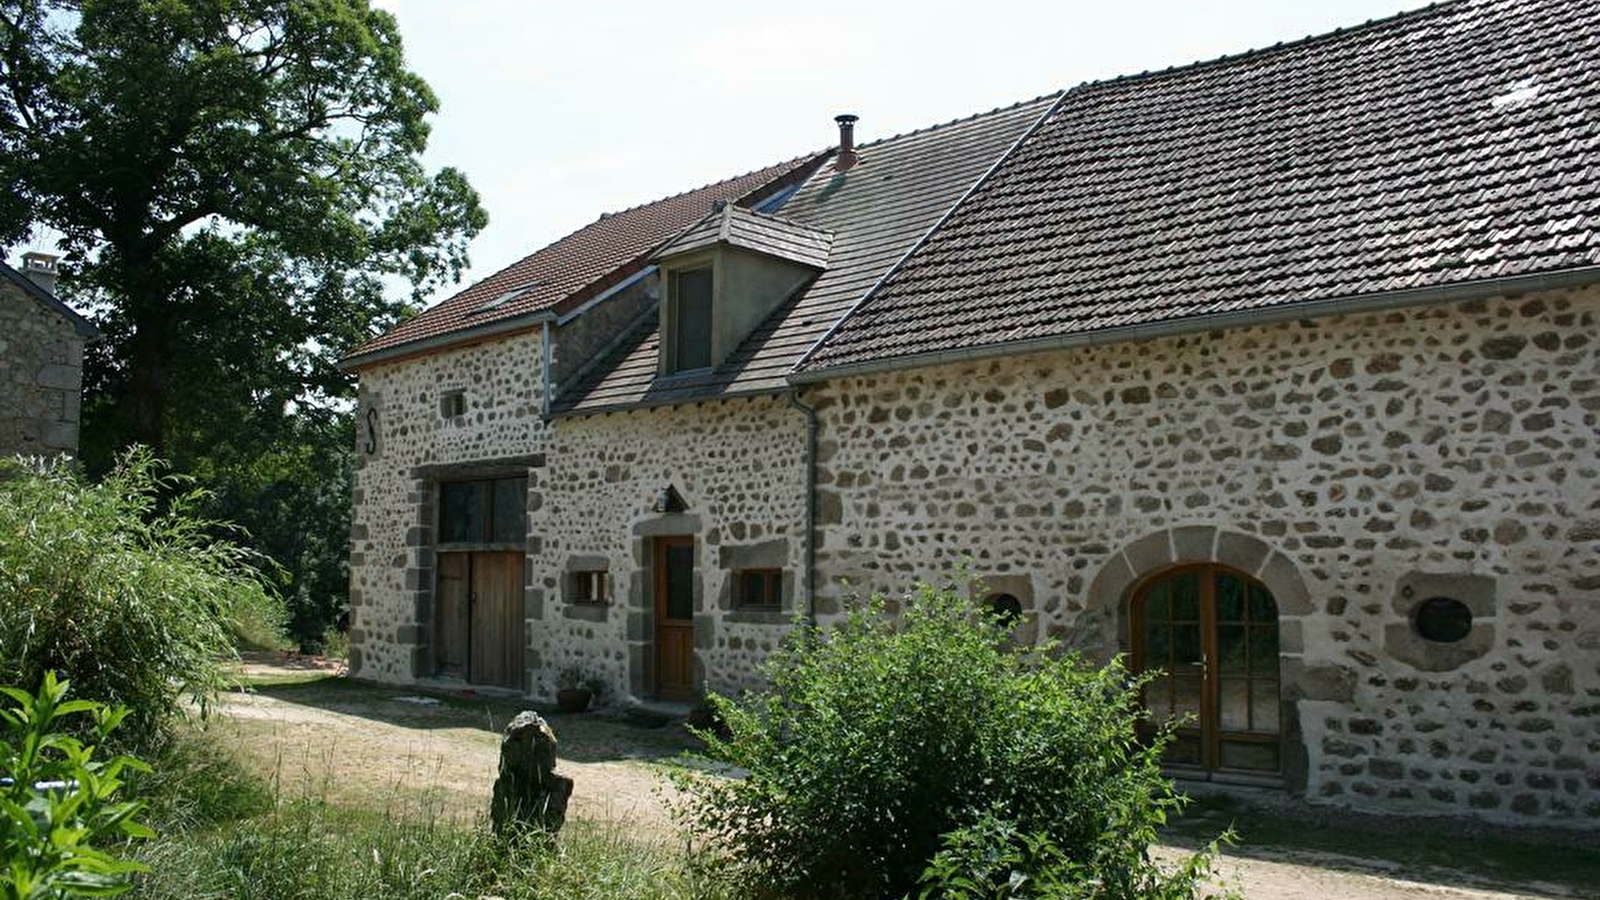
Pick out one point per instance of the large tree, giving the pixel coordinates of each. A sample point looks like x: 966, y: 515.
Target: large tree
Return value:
x: 239, y: 190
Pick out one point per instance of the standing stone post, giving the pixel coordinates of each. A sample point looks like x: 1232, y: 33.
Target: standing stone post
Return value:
x: 528, y: 792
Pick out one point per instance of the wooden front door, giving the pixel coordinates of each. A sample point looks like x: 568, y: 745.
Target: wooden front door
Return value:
x: 1212, y: 633
x: 674, y: 614
x: 478, y: 621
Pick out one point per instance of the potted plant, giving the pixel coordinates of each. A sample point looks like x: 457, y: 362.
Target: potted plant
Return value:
x: 576, y: 688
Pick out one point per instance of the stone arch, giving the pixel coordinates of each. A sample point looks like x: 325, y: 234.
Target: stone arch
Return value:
x: 1106, y: 610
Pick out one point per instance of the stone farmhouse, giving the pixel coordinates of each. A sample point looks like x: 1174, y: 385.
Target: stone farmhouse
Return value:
x: 41, y: 362
x: 1279, y: 373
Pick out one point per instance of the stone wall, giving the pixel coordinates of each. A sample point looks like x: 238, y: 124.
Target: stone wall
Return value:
x: 739, y: 468
x: 41, y: 377
x: 1354, y: 465
x: 404, y: 446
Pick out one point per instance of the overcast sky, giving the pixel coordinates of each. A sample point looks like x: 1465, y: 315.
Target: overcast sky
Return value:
x: 559, y: 111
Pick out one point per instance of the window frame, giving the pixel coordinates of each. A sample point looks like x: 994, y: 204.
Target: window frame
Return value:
x: 596, y: 591
x: 772, y: 589
x: 671, y: 330
x: 452, y: 404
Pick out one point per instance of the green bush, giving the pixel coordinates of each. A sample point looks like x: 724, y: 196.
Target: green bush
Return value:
x: 880, y: 740
x: 58, y: 804
x: 992, y: 860
x: 121, y: 587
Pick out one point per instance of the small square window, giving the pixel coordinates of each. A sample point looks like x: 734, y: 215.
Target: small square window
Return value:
x: 758, y: 588
x: 588, y: 586
x: 453, y: 404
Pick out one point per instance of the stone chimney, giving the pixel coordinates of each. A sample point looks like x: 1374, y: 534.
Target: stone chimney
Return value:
x: 847, y: 143
x: 41, y: 269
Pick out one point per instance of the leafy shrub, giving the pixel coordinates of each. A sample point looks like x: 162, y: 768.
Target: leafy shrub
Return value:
x: 121, y: 587
x: 992, y: 860
x: 877, y: 742
x: 58, y: 803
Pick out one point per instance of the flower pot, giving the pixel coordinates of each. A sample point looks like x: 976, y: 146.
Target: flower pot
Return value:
x: 573, y: 700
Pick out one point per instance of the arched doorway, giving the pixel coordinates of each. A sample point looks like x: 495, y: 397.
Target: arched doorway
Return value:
x: 1212, y: 631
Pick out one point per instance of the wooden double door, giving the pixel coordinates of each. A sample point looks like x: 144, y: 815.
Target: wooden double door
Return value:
x: 1212, y: 635
x: 674, y: 619
x: 478, y: 617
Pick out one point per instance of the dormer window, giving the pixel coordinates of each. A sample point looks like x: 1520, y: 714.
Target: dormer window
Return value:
x: 723, y: 277
x: 690, y: 319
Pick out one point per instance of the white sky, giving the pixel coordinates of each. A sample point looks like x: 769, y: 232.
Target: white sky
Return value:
x: 559, y: 111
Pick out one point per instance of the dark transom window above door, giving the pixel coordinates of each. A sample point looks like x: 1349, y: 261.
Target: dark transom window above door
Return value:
x: 485, y: 512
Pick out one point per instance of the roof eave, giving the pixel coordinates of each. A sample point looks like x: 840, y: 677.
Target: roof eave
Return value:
x: 449, y: 339
x: 1288, y: 312
x: 584, y: 412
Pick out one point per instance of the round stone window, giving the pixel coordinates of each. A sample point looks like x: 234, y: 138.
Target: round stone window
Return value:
x: 1006, y: 607
x: 1442, y: 620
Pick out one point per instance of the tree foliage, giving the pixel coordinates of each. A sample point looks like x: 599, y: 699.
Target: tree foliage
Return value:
x: 239, y: 188
x: 120, y: 586
x: 893, y: 737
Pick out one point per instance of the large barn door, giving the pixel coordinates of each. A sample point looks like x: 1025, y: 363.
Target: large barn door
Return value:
x: 478, y: 625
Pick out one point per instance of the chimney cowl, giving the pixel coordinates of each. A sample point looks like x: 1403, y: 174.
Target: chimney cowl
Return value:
x: 40, y: 268
x: 847, y: 157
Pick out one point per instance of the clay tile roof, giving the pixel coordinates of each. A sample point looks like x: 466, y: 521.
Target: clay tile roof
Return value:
x: 582, y: 264
x: 1451, y: 145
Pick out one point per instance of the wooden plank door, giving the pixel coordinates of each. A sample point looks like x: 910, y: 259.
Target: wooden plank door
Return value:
x: 674, y: 614
x: 497, y: 619
x: 452, y: 615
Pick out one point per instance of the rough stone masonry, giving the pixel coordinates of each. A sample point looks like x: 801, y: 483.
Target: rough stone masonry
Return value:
x: 41, y: 377
x: 1353, y: 465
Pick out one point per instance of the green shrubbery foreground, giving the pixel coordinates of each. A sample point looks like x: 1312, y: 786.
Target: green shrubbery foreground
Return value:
x: 121, y: 588
x: 924, y: 753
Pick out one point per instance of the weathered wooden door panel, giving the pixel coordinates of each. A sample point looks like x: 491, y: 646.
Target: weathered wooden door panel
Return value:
x: 452, y: 615
x: 674, y: 614
x: 497, y: 619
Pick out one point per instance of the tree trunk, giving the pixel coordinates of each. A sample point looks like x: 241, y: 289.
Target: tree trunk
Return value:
x: 147, y: 389
x: 149, y: 356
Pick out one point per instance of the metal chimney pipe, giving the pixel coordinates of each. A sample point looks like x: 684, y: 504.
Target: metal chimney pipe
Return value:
x: 847, y: 143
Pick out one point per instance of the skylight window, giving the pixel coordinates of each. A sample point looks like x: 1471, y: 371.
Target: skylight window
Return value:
x: 515, y: 293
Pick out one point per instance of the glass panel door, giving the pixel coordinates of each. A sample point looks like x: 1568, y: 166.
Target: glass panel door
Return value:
x: 1213, y: 636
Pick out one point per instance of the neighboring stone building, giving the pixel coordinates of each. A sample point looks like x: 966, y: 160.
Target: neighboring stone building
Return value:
x: 41, y: 362
x: 1279, y: 373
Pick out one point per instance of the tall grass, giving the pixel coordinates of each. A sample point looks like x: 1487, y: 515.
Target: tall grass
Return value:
x: 228, y: 834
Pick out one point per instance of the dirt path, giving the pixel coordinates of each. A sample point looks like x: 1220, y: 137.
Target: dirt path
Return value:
x: 441, y: 762
x: 386, y: 749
